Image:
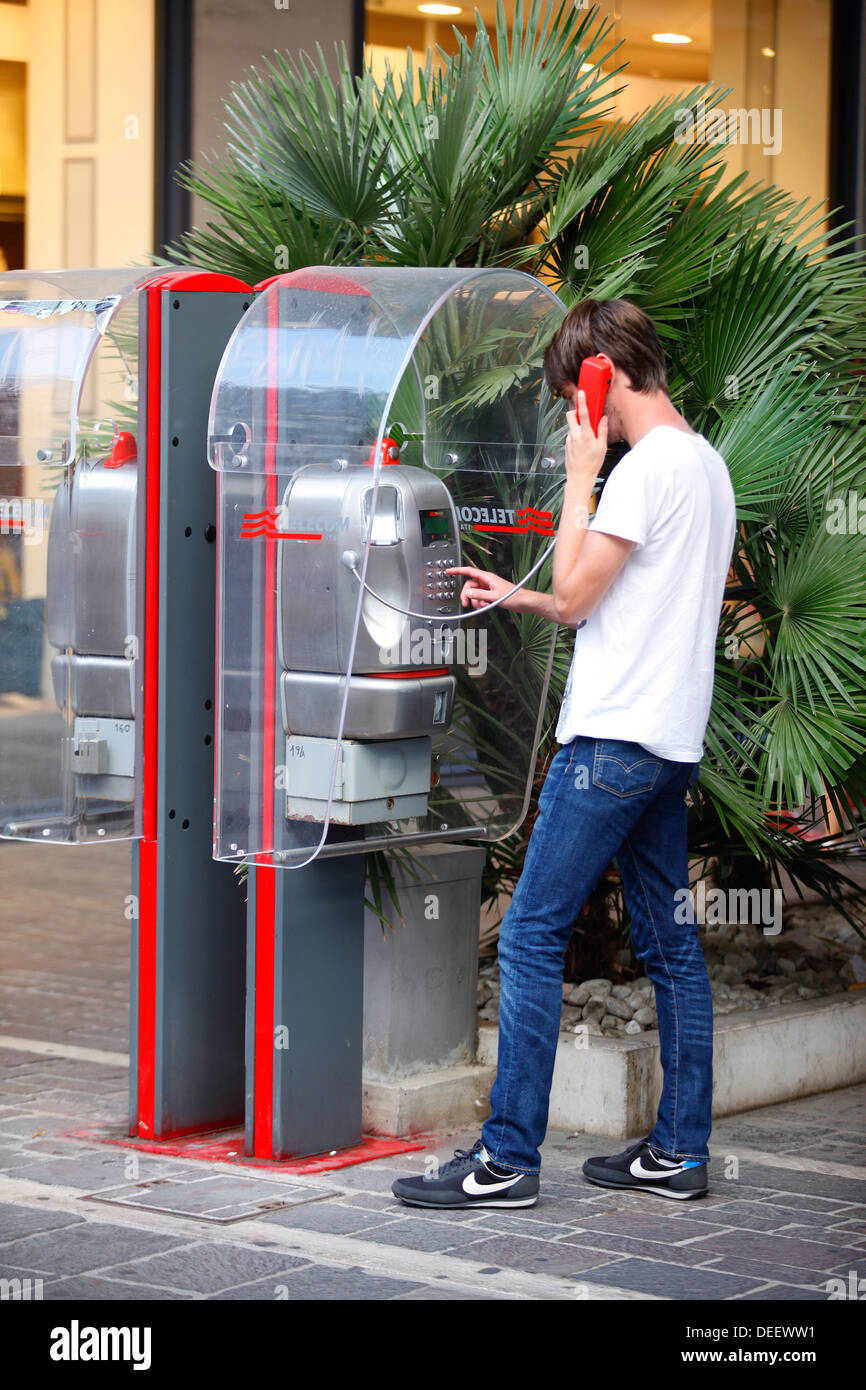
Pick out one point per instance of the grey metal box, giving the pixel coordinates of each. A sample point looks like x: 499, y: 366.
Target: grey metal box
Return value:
x: 375, y: 781
x: 420, y: 980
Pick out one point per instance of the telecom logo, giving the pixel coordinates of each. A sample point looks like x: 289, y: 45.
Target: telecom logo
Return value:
x: 266, y: 525
x: 519, y: 522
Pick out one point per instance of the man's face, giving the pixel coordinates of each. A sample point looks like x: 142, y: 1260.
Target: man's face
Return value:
x: 615, y: 431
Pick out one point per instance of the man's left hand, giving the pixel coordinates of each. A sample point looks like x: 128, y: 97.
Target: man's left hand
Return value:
x: 584, y: 451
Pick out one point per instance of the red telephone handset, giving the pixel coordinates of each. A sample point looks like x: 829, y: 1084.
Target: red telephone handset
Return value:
x: 593, y: 381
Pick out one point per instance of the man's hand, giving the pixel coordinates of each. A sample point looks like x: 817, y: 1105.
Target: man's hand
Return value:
x: 483, y: 588
x: 584, y: 451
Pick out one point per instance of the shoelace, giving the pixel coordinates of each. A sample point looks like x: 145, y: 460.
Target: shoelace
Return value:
x: 461, y: 1160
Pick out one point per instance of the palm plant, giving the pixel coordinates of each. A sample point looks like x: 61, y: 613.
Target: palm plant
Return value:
x: 502, y: 159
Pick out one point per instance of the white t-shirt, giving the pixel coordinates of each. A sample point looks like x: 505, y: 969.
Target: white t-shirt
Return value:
x: 644, y: 660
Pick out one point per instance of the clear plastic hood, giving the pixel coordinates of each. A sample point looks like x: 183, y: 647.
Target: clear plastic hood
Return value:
x: 70, y: 669
x: 361, y: 349
x: 68, y: 359
x: 373, y: 429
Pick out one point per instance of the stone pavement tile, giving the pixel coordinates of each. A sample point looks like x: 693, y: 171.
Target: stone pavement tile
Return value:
x: 32, y: 1126
x: 94, y: 1290
x: 322, y: 1282
x: 501, y: 1222
x: 833, y: 1109
x: 771, y: 1138
x: 576, y: 1190
x: 372, y: 1201
x: 648, y: 1226
x: 91, y: 1172
x: 464, y: 1216
x: 336, y: 1218
x: 852, y: 1154
x: 767, y: 1269
x: 207, y: 1267
x: 11, y: 1059
x: 83, y: 1248
x: 712, y: 1207
x: 364, y: 1177
x: 756, y: 1216
x: 207, y: 1194
x: 795, y: 1180
x: 786, y: 1293
x: 52, y: 1147
x: 647, y: 1249
x: 431, y: 1233
x: 852, y: 1228
x: 801, y: 1216
x: 671, y: 1281
x: 74, y: 1109
x: 729, y: 1190
x: 799, y: 1202
x: 843, y: 1240
x: 17, y: 1221
x: 561, y: 1210
x: 857, y: 1262
x: 9, y: 1158
x: 778, y: 1249
x: 532, y: 1256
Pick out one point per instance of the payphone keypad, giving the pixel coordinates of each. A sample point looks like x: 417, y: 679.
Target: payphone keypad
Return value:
x: 439, y: 584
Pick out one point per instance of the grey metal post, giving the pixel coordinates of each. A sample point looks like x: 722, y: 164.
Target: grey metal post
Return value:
x: 187, y: 1069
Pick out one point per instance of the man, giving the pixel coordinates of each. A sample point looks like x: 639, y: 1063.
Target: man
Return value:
x: 648, y: 578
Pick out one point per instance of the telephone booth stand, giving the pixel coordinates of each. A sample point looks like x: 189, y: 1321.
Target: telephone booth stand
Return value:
x: 370, y: 428
x: 109, y: 523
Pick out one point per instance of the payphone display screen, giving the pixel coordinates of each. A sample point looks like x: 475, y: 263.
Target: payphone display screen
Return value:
x: 435, y: 526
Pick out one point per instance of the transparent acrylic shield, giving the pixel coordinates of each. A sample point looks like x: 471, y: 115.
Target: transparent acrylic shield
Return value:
x: 69, y: 624
x: 372, y: 429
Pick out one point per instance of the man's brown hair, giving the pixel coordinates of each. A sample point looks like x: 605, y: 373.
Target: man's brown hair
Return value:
x: 615, y: 327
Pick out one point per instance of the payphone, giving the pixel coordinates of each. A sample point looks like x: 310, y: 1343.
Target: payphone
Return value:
x: 392, y: 705
x: 91, y: 621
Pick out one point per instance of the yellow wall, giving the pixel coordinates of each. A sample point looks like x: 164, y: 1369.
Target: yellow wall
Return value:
x: 14, y: 29
x: 90, y: 132
x: 799, y: 80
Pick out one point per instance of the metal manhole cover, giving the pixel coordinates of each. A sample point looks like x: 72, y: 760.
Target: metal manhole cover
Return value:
x: 213, y: 1197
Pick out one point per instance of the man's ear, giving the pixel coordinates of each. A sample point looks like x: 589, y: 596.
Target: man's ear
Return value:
x: 614, y: 371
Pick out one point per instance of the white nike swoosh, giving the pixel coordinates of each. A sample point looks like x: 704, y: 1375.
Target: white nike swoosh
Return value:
x: 473, y: 1188
x: 637, y: 1170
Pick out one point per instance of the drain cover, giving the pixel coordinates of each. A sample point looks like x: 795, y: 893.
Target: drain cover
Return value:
x: 214, y: 1197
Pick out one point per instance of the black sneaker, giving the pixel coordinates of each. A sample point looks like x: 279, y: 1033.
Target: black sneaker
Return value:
x: 640, y: 1169
x: 469, y: 1179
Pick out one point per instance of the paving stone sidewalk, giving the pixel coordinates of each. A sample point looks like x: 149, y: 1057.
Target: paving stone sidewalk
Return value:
x: 786, y: 1213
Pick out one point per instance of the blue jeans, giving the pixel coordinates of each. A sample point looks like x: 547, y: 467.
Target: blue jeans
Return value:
x: 602, y: 799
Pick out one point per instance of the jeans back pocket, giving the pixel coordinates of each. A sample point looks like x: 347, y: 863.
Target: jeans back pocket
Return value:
x: 624, y: 769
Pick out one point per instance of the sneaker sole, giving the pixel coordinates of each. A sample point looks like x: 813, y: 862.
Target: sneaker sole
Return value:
x: 462, y: 1206
x: 647, y: 1187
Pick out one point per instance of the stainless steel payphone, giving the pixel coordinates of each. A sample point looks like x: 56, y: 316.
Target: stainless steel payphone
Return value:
x: 90, y: 616
x: 393, y: 706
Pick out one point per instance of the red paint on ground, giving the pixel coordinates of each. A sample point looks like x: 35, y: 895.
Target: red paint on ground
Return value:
x: 227, y: 1146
